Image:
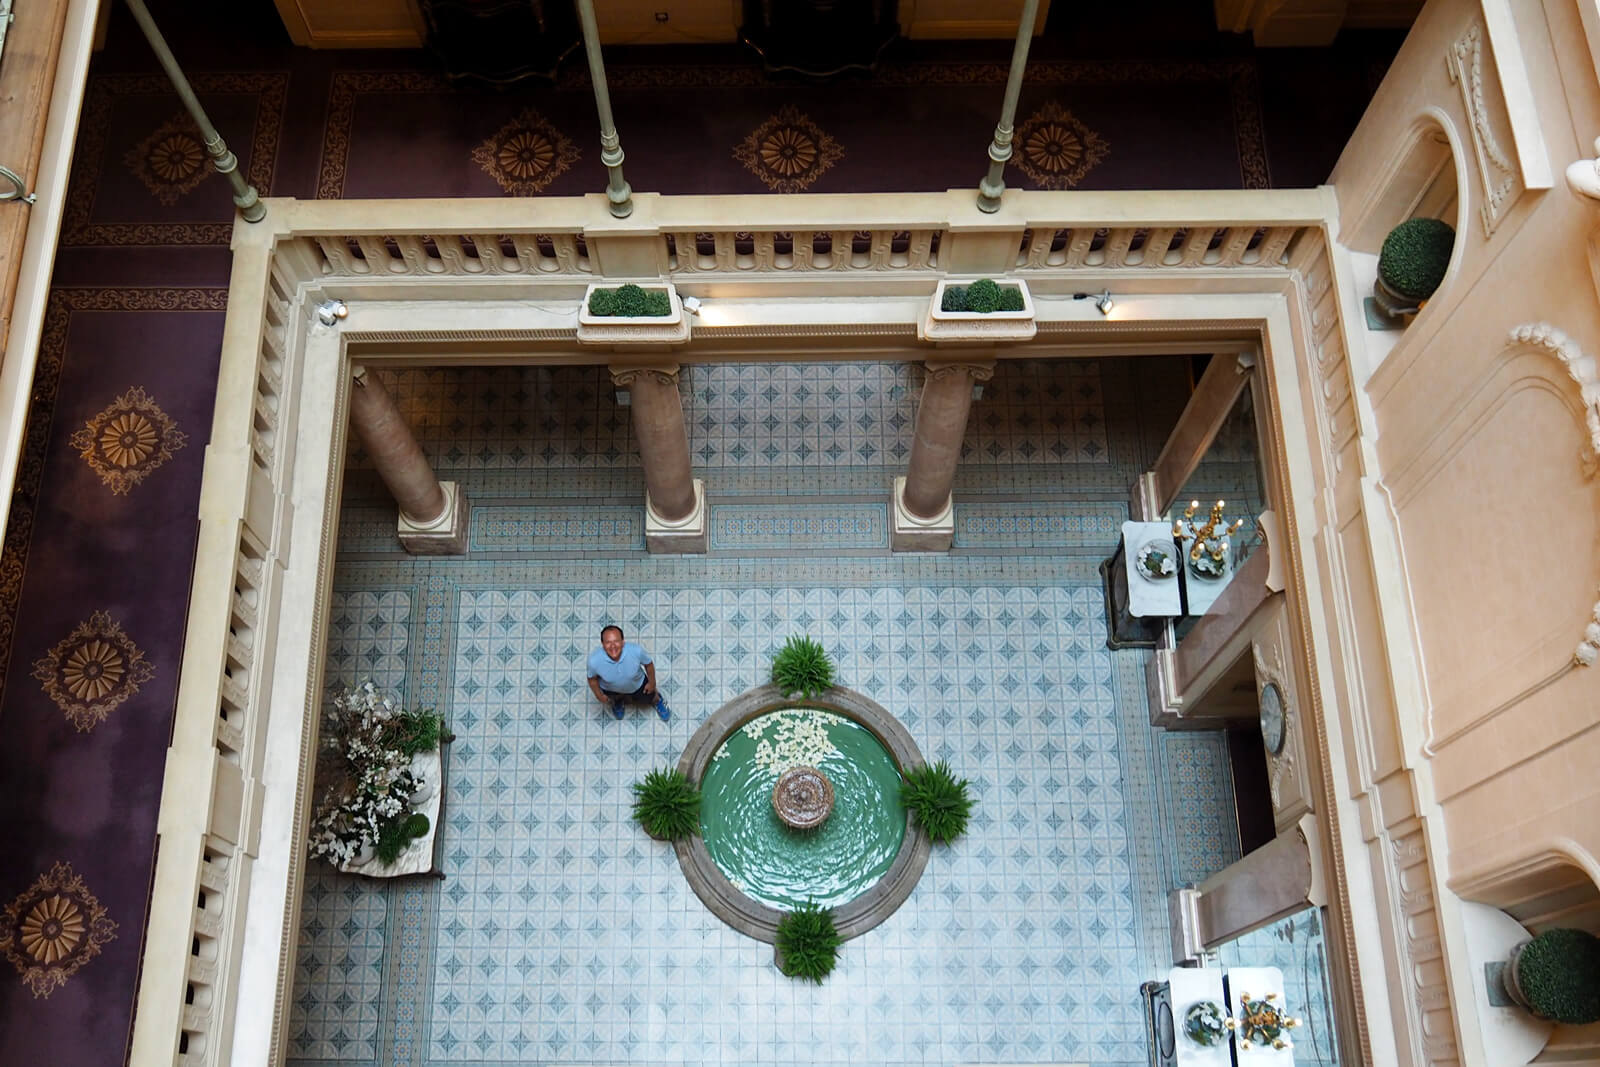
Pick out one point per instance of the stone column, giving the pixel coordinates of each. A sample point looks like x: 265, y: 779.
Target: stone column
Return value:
x: 1226, y: 376
x: 675, y: 500
x: 433, y: 514
x: 924, y: 514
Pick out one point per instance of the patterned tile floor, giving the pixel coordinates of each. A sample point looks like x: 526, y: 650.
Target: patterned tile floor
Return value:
x: 562, y: 934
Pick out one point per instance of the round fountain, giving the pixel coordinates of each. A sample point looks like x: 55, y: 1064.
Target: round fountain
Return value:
x: 800, y: 802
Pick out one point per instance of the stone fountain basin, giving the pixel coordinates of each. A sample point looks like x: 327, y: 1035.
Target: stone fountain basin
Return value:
x: 759, y: 920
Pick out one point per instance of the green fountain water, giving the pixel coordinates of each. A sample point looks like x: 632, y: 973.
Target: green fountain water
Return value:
x: 784, y: 868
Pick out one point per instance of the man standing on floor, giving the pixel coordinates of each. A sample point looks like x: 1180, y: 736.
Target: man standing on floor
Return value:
x: 620, y: 671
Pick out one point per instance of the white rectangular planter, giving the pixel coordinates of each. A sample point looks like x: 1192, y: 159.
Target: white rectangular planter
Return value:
x: 637, y: 329
x: 975, y: 327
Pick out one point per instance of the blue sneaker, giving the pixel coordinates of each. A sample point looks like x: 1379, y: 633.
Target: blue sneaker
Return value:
x: 617, y: 709
x: 664, y: 712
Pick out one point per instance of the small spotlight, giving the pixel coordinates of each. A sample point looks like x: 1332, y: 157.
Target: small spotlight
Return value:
x: 691, y: 305
x: 331, y: 311
x: 1103, y: 303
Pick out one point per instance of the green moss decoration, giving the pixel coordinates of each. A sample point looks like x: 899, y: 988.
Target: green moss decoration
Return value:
x: 808, y: 943
x: 667, y: 805
x: 1415, y: 255
x: 1559, y: 974
x: 983, y: 296
x: 629, y: 301
x: 417, y: 825
x: 940, y: 803
x: 802, y: 666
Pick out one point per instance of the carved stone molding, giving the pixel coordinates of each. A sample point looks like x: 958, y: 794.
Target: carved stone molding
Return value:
x: 1581, y: 368
x: 622, y: 377
x: 978, y: 372
x: 1496, y: 170
x: 1423, y: 967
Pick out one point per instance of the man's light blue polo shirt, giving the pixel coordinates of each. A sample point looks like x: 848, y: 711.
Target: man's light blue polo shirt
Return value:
x: 625, y: 674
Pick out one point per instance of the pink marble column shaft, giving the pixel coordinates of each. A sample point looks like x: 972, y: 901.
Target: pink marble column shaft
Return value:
x: 941, y: 424
x: 662, y: 437
x: 394, y: 450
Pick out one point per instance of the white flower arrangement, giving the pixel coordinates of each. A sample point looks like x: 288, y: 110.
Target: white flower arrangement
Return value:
x: 799, y: 737
x: 366, y: 761
x: 1157, y: 559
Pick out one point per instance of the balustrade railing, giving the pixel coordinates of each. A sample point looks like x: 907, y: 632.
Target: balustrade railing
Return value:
x: 919, y: 232
x: 213, y: 797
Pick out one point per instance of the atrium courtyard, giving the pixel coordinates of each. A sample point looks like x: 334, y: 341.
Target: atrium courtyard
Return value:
x: 560, y: 933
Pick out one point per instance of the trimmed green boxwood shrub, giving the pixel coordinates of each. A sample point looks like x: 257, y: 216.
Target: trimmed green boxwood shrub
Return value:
x: 629, y: 301
x: 808, y: 944
x: 1415, y: 255
x: 1558, y: 973
x: 983, y: 296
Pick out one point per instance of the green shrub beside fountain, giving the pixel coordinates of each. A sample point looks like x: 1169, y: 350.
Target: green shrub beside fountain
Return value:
x: 667, y: 805
x: 802, y: 667
x: 940, y: 803
x: 808, y: 944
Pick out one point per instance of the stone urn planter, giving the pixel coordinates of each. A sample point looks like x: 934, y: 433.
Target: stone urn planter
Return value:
x: 632, y: 329
x: 977, y: 327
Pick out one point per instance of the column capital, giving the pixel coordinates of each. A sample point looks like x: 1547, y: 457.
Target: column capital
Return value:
x: 941, y: 369
x: 624, y: 375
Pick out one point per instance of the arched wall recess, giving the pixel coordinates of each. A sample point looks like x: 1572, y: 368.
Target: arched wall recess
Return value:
x: 1583, y: 370
x: 1425, y: 175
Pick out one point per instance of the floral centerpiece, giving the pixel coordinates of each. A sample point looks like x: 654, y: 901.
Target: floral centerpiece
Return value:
x: 1156, y: 560
x: 1261, y: 1021
x: 366, y: 762
x: 1211, y: 560
x: 1205, y: 1023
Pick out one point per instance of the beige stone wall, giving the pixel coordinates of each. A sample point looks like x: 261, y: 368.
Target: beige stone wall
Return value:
x: 1482, y: 464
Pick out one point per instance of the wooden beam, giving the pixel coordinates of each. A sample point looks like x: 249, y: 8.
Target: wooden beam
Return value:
x: 27, y: 78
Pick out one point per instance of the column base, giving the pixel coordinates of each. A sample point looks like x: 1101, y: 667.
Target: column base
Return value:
x: 1183, y: 908
x: 909, y: 532
x: 683, y: 536
x: 444, y: 536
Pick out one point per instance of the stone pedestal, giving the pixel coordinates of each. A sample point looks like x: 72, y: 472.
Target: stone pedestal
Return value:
x: 685, y: 535
x: 910, y: 532
x: 443, y: 536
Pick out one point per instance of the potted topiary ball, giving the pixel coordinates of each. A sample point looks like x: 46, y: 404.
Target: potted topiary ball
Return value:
x: 1412, y: 264
x: 1556, y: 976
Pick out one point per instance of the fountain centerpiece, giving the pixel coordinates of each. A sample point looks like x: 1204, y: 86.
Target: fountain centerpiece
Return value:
x: 803, y: 798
